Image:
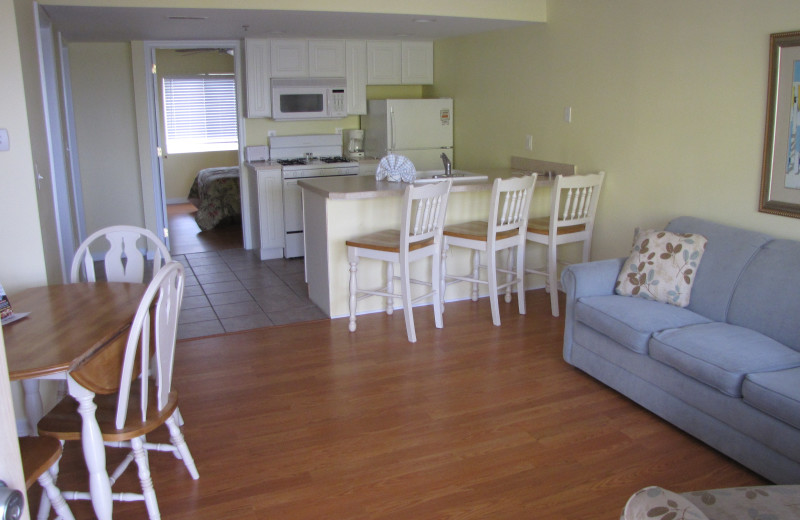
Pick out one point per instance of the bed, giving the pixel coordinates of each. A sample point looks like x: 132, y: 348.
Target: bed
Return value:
x: 215, y: 194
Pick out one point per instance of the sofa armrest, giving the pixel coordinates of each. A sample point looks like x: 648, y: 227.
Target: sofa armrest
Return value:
x: 587, y: 279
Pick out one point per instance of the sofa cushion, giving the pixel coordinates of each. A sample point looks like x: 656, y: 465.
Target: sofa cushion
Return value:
x: 631, y: 321
x: 728, y: 251
x: 661, y: 266
x: 767, y: 296
x: 776, y: 393
x: 721, y: 355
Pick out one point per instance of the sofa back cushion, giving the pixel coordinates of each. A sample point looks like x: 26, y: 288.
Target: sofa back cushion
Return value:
x: 767, y: 298
x: 728, y: 251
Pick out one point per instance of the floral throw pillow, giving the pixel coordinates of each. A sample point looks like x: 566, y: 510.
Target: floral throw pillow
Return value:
x: 662, y: 266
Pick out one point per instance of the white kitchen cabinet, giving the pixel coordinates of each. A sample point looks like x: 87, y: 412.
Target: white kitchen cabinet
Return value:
x: 326, y: 58
x: 392, y: 62
x: 257, y: 75
x: 356, y: 65
x: 417, y: 63
x: 384, y: 62
x: 289, y: 58
x: 269, y: 188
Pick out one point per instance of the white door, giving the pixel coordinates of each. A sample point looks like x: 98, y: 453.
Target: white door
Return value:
x: 420, y: 123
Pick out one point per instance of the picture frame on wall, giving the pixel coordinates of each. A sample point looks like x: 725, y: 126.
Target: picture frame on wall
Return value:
x: 780, y: 176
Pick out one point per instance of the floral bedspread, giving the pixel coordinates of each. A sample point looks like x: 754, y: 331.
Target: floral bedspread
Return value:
x: 215, y: 194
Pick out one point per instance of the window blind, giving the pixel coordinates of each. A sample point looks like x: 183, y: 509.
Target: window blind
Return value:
x: 200, y: 113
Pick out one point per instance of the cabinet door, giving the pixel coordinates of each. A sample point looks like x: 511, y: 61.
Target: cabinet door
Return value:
x: 417, y: 59
x: 270, y: 209
x: 383, y: 62
x: 289, y: 58
x: 326, y: 58
x: 257, y: 71
x: 356, y: 60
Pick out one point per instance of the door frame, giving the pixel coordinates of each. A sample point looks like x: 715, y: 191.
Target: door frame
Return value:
x: 155, y: 177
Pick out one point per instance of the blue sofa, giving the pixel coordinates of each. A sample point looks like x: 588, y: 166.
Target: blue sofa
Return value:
x: 726, y: 368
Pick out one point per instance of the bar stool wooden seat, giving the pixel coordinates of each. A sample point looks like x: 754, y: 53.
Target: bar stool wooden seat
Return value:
x: 419, y: 237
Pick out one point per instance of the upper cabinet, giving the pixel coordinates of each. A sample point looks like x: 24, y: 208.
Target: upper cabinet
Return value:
x: 289, y: 58
x: 326, y: 58
x: 308, y: 58
x: 257, y: 72
x: 383, y: 62
x: 392, y: 62
x: 356, y: 64
x: 417, y: 63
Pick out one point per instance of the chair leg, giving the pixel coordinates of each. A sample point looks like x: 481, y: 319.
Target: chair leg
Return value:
x: 176, y: 437
x: 509, y: 275
x: 149, y: 493
x: 443, y: 274
x: 476, y: 272
x: 436, y: 286
x: 491, y: 276
x: 408, y: 312
x: 520, y: 273
x: 389, y: 287
x: 353, y: 291
x: 552, y: 281
x: 53, y: 494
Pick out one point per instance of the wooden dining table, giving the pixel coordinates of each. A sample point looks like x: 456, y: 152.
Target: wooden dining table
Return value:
x: 73, y: 332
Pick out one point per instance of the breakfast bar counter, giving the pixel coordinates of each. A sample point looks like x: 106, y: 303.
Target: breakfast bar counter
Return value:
x: 336, y: 209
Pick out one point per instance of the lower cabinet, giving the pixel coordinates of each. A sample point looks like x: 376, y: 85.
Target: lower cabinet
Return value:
x: 268, y: 183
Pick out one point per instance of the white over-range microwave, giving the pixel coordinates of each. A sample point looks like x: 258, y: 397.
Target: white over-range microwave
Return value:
x: 308, y: 98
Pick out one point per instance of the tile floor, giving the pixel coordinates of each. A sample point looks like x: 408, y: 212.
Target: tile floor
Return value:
x: 232, y: 290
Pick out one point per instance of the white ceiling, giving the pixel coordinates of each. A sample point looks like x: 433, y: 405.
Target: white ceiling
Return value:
x: 96, y: 24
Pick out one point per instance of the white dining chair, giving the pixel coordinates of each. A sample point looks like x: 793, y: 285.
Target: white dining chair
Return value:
x: 40, y: 456
x: 503, y: 231
x: 419, y: 237
x: 573, y: 205
x: 124, y: 251
x: 136, y: 402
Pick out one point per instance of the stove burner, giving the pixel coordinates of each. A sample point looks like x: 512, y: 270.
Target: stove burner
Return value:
x: 334, y: 159
x: 291, y: 162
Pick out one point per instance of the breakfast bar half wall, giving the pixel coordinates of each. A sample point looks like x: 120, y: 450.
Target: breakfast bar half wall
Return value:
x: 336, y: 209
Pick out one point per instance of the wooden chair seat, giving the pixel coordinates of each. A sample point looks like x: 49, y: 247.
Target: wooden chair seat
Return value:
x: 38, y: 455
x: 541, y: 226
x: 386, y: 240
x: 475, y: 230
x: 64, y: 422
x: 39, y: 458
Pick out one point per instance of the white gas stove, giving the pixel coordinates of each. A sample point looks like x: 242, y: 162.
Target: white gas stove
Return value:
x: 303, y: 157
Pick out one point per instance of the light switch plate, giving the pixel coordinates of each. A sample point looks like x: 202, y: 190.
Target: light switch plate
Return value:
x: 5, y: 145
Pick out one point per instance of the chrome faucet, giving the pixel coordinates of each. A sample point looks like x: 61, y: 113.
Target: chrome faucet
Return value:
x: 448, y: 167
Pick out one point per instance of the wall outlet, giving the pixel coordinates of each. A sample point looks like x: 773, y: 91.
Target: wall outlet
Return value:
x: 5, y: 145
x: 568, y: 114
x: 529, y: 142
x: 339, y: 131
x: 271, y: 133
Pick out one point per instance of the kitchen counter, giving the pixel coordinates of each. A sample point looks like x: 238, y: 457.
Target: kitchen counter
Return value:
x: 368, y: 187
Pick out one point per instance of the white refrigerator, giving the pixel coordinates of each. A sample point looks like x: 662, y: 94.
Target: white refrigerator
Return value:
x: 420, y: 129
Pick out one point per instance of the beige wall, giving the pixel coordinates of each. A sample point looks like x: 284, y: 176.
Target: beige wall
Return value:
x: 105, y: 122
x: 667, y: 97
x: 22, y: 259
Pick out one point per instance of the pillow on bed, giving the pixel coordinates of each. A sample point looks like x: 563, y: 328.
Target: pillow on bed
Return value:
x: 662, y: 266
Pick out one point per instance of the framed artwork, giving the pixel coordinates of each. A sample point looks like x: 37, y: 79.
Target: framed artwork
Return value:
x: 780, y: 176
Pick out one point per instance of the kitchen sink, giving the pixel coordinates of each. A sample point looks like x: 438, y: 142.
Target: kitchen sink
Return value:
x: 457, y: 176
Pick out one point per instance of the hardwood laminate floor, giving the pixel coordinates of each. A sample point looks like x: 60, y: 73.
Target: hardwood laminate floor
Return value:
x: 310, y: 421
